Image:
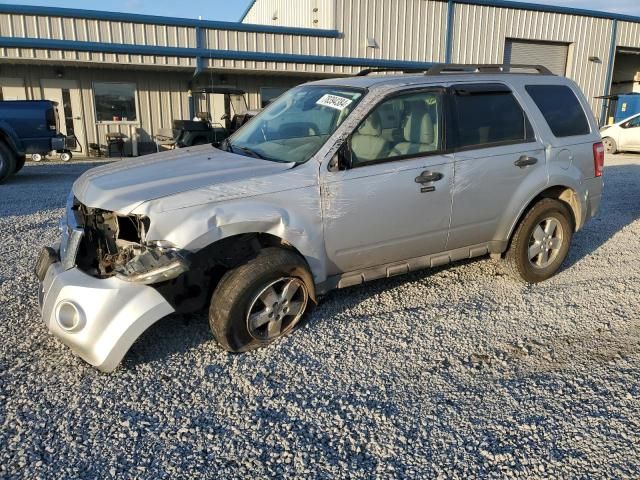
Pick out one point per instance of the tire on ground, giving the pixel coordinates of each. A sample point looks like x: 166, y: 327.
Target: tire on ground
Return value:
x: 239, y: 286
x: 20, y: 163
x: 517, y: 261
x: 7, y: 161
x: 610, y: 145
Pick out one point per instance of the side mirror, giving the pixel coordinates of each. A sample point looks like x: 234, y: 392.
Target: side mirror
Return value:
x: 342, y: 160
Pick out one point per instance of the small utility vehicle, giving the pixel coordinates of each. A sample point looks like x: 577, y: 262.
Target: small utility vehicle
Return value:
x: 204, y: 129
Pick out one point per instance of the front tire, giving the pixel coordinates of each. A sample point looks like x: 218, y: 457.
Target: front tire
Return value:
x: 260, y: 301
x: 541, y: 241
x: 610, y: 145
x: 66, y: 156
x: 37, y: 157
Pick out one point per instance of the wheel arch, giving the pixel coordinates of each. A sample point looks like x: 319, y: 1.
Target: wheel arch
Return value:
x: 191, y: 291
x: 8, y: 136
x: 563, y: 193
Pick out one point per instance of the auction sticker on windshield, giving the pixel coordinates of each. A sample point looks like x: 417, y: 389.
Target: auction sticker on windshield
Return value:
x: 334, y: 101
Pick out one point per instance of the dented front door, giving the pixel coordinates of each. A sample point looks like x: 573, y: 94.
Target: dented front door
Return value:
x: 379, y: 214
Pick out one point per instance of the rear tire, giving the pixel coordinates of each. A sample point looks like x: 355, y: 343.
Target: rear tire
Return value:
x: 66, y: 156
x: 541, y: 241
x: 37, y: 157
x: 610, y: 145
x: 20, y: 163
x: 260, y: 301
x: 7, y: 162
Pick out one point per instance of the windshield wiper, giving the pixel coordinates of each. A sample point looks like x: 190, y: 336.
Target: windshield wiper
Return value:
x: 247, y: 150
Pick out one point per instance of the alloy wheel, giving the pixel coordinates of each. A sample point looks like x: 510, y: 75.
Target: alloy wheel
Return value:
x: 277, y: 308
x: 545, y: 242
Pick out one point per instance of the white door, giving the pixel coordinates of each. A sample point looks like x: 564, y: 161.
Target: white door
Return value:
x: 630, y: 135
x: 67, y: 95
x: 12, y: 89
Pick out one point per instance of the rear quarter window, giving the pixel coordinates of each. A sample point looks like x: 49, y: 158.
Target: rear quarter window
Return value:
x: 561, y: 109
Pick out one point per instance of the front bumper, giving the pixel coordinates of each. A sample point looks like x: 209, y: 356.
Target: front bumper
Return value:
x: 99, y: 319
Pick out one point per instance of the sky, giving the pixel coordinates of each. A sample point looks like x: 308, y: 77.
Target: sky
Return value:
x: 231, y: 10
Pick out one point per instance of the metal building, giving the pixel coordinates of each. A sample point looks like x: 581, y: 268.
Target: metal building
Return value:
x: 133, y: 73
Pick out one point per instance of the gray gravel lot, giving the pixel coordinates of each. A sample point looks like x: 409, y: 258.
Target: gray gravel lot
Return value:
x: 457, y: 372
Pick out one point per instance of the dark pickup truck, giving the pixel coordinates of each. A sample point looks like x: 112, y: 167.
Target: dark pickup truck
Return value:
x: 27, y: 127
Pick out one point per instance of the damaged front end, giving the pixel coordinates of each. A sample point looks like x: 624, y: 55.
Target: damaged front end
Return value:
x: 115, y: 245
x: 102, y: 285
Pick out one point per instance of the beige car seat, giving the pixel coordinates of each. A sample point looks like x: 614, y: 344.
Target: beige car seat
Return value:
x: 419, y: 133
x: 367, y: 143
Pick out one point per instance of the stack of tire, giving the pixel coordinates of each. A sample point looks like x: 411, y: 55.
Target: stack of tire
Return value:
x: 10, y: 162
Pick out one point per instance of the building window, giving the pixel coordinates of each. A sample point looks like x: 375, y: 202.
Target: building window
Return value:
x: 115, y: 102
x: 269, y: 94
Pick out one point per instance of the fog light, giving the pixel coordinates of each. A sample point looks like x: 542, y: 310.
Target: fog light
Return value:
x: 69, y: 316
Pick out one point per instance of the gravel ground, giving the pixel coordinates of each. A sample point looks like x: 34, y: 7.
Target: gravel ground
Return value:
x: 457, y: 372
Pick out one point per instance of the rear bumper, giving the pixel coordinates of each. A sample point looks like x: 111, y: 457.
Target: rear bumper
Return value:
x: 593, y: 195
x: 99, y: 319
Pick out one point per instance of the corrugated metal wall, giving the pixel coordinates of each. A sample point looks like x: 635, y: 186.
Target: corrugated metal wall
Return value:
x: 480, y: 33
x: 411, y: 30
x: 628, y: 35
x: 294, y: 13
x: 80, y: 29
x: 403, y: 30
x: 161, y: 97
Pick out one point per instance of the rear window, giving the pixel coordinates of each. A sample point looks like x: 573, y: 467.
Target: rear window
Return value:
x: 561, y: 109
x: 488, y: 118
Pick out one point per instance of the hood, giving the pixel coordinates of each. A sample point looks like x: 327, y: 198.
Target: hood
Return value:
x: 125, y: 184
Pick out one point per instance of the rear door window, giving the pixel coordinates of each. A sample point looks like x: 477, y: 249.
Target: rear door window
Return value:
x: 488, y: 115
x: 561, y: 109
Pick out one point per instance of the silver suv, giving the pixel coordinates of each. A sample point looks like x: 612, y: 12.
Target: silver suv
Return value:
x: 336, y: 183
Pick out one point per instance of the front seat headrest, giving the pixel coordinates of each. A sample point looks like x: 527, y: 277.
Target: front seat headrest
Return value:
x: 419, y: 128
x: 372, y: 126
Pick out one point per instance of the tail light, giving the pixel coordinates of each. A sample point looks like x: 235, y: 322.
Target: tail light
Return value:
x: 598, y: 158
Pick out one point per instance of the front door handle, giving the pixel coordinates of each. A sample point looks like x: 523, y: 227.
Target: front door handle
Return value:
x: 525, y: 161
x: 427, y: 176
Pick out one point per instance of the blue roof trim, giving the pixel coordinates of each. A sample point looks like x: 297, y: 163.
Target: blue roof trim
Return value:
x: 551, y: 8
x: 158, y: 20
x: 247, y: 10
x: 203, y: 53
x: 448, y: 48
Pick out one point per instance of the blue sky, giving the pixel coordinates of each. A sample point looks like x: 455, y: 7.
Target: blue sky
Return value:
x: 231, y: 10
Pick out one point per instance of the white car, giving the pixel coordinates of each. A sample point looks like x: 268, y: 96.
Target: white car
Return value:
x: 623, y: 136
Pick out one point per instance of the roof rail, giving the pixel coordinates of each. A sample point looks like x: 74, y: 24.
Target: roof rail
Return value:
x: 484, y: 68
x: 367, y: 71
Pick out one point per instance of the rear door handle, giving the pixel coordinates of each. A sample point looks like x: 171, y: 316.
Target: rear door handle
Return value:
x: 427, y: 176
x: 525, y: 161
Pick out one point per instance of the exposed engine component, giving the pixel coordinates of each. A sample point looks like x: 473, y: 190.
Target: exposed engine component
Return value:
x: 110, y: 240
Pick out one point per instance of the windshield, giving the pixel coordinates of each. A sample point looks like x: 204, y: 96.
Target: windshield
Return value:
x: 296, y: 125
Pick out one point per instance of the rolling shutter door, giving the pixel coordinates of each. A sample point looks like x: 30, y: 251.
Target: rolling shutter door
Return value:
x: 551, y: 55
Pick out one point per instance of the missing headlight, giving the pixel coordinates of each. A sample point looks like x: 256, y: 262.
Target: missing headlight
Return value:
x: 153, y: 265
